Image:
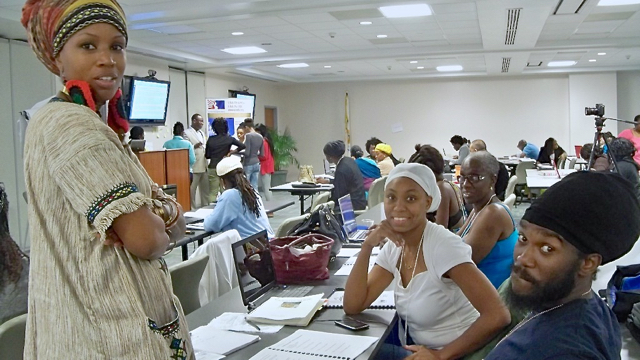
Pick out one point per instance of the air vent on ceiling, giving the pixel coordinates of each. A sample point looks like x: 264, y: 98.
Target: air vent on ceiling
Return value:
x: 505, y: 64
x: 513, y: 16
x: 534, y: 64
x: 569, y: 7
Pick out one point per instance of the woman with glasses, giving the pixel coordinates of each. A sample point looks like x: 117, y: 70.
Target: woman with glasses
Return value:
x: 490, y: 229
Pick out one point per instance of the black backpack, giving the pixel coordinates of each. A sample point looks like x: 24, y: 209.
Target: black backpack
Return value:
x: 623, y: 290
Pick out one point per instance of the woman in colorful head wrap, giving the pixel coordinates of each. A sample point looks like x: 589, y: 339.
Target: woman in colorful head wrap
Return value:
x: 98, y: 285
x: 383, y: 158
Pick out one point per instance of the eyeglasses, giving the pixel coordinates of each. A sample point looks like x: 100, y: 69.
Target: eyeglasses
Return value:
x: 472, y: 178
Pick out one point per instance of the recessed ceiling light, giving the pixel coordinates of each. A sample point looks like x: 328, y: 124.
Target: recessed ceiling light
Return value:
x: 400, y: 11
x: 365, y: 23
x: 617, y: 2
x: 560, y: 63
x: 381, y: 36
x: 244, y: 50
x: 327, y: 66
x: 420, y: 67
x: 237, y: 33
x: 293, y: 66
x: 592, y: 60
x: 448, y: 68
x: 602, y: 54
x: 413, y: 62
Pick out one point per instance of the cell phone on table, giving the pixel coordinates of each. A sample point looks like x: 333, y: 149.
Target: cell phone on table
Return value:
x: 352, y: 324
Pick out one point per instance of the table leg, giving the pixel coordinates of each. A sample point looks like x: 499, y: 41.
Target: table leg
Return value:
x: 301, y: 204
x: 185, y: 252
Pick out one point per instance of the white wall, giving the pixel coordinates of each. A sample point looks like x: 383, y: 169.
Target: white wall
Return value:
x: 499, y: 111
x: 24, y: 81
x: 587, y: 90
x: 628, y: 96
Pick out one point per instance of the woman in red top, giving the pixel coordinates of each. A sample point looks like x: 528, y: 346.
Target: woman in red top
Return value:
x: 266, y: 161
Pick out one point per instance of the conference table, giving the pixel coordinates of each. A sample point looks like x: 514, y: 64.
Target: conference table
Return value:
x: 380, y: 321
x: 294, y: 189
x: 544, y: 179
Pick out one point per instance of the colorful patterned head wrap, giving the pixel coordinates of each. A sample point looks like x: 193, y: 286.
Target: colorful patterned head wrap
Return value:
x: 50, y: 23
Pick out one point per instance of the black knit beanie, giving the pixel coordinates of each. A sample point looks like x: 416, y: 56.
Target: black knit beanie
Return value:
x: 595, y: 212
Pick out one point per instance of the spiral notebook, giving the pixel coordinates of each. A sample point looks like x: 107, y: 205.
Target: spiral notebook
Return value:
x: 312, y: 345
x: 386, y: 300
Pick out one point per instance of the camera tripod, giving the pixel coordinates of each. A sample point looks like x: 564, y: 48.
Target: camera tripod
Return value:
x: 613, y: 164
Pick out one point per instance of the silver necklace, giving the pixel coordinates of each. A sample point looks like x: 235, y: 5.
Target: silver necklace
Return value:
x: 413, y: 274
x: 527, y: 319
x: 475, y: 214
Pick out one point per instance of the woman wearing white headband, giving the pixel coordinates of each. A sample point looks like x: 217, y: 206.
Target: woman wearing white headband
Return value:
x: 446, y: 305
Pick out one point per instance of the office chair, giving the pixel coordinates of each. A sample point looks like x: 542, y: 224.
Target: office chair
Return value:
x: 185, y: 278
x: 521, y: 173
x: 320, y: 198
x: 510, y: 201
x: 12, y: 337
x: 289, y: 224
x: 376, y: 192
x: 511, y: 186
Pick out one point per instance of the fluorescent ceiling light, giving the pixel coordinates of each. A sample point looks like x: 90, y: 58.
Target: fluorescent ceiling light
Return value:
x: 561, y: 63
x: 365, y: 23
x: 292, y: 66
x: 420, y: 67
x: 237, y: 33
x: 401, y: 11
x: 618, y: 2
x: 602, y: 54
x: 327, y: 66
x: 448, y: 68
x: 381, y: 36
x: 244, y: 50
x: 413, y: 62
x: 592, y: 60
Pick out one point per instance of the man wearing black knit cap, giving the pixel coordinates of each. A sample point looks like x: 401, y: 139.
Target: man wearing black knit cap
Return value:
x: 585, y: 220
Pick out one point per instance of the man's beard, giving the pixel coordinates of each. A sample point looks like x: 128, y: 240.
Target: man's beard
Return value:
x: 541, y: 295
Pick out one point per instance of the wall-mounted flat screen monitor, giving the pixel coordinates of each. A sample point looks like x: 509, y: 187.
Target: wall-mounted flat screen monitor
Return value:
x: 245, y: 95
x: 147, y: 100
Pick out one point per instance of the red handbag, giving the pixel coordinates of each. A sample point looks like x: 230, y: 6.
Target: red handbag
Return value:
x: 294, y: 265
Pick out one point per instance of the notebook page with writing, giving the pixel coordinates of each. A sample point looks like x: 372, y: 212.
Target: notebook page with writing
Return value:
x: 308, y: 345
x: 345, y: 269
x: 210, y: 340
x: 386, y: 300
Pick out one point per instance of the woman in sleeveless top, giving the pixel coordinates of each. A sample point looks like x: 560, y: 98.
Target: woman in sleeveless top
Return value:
x: 490, y: 228
x: 451, y: 213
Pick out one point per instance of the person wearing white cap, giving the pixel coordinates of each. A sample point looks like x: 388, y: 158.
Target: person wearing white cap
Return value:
x: 239, y: 206
x: 447, y: 307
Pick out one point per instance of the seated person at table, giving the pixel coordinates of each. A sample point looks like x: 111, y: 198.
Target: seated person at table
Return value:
x: 600, y: 160
x: 451, y: 213
x: 239, y: 207
x: 347, y: 179
x: 563, y: 240
x: 460, y: 145
x: 383, y: 158
x: 623, y: 152
x: 438, y: 290
x: 552, y: 151
x: 490, y: 229
x: 370, y: 146
x: 369, y: 169
x: 503, y: 174
x: 528, y: 150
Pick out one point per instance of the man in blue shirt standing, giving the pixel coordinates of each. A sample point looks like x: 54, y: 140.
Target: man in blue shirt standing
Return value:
x: 178, y: 142
x: 528, y: 150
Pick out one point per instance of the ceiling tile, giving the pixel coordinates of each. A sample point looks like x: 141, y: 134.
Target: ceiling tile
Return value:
x: 356, y: 14
x: 453, y: 8
x: 308, y: 18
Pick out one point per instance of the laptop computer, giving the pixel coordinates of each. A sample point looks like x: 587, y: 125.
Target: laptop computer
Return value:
x: 137, y: 145
x: 349, y: 220
x: 256, y: 274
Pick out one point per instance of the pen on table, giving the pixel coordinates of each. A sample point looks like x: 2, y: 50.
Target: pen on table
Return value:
x: 189, y: 232
x: 252, y: 324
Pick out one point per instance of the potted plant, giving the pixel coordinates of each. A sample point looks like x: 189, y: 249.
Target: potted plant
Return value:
x: 283, y: 147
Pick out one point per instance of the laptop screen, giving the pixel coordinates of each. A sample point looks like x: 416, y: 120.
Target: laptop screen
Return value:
x: 254, y: 266
x: 348, y: 216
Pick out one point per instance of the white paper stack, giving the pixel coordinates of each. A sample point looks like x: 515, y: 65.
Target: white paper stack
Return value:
x: 287, y: 311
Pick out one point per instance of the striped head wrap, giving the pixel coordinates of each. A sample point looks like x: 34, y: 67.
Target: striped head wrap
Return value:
x: 50, y: 23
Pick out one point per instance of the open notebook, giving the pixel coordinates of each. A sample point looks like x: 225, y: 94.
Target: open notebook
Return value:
x: 386, y: 300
